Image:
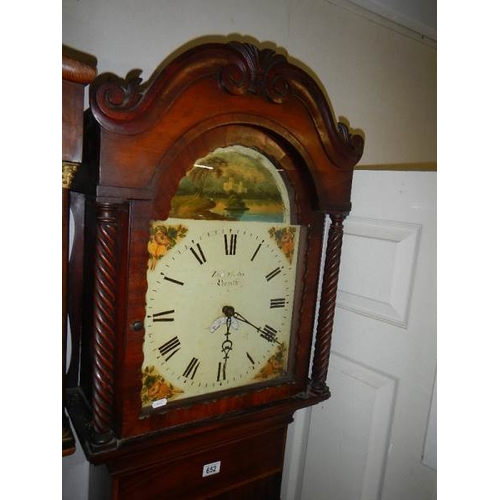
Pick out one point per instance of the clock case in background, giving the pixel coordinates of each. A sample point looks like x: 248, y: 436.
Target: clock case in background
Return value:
x: 78, y: 70
x: 140, y: 140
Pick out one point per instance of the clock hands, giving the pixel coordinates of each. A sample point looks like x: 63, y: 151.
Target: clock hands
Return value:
x: 226, y: 348
x: 227, y: 344
x: 231, y: 319
x: 244, y: 320
x: 267, y: 332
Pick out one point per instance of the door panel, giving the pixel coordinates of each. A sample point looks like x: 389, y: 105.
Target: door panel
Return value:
x: 367, y: 441
x: 383, y: 291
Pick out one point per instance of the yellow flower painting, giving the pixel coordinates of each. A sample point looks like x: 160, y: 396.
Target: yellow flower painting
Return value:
x: 155, y: 387
x: 275, y: 366
x: 162, y: 239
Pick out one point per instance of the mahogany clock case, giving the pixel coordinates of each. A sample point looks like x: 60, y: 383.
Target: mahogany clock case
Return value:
x: 140, y: 142
x: 78, y: 70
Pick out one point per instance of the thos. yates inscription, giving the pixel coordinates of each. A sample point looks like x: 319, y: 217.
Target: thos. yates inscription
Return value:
x: 228, y: 278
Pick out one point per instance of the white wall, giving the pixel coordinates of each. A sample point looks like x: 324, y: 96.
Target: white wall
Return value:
x: 380, y: 80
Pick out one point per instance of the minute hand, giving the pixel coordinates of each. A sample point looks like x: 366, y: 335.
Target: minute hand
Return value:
x: 267, y: 332
x: 239, y: 317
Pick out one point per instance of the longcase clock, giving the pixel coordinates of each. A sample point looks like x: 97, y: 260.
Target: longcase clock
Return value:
x: 78, y: 70
x: 205, y: 320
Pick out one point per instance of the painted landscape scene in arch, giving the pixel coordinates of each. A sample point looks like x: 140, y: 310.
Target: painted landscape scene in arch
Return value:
x: 232, y: 183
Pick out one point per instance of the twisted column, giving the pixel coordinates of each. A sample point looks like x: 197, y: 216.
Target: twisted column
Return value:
x: 104, y: 322
x: 328, y: 300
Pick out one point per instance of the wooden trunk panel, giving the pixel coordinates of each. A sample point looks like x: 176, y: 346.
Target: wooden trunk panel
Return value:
x: 250, y: 468
x: 268, y: 488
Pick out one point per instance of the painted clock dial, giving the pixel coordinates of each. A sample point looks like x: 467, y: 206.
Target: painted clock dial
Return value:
x: 221, y: 281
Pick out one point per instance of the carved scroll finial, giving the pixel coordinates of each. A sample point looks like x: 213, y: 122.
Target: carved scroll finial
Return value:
x: 119, y: 93
x: 126, y: 106
x: 353, y: 141
x: 269, y: 75
x: 261, y: 72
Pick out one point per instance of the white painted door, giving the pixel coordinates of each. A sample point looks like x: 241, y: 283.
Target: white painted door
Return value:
x: 367, y: 442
